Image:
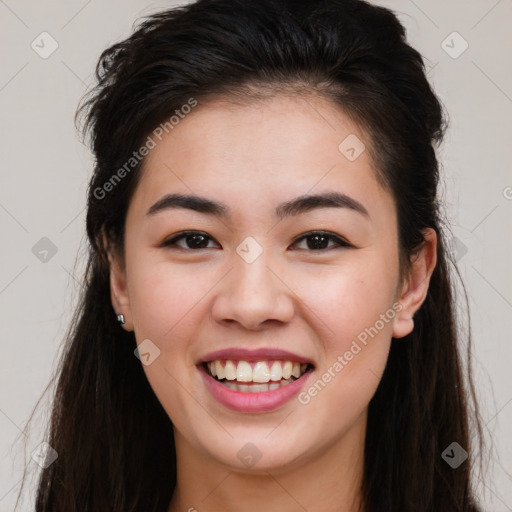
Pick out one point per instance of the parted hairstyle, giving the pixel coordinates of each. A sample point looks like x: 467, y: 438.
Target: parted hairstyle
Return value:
x: 114, y: 440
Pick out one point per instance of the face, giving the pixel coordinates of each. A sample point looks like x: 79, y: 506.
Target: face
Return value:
x: 263, y: 280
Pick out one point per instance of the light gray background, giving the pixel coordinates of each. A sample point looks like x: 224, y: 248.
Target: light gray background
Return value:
x: 45, y: 170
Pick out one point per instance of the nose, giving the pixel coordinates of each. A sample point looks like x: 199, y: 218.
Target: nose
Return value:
x: 253, y: 295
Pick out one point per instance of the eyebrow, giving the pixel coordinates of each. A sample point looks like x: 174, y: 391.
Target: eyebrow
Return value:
x: 301, y: 204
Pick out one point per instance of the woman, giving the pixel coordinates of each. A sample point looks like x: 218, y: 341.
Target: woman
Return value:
x: 267, y: 321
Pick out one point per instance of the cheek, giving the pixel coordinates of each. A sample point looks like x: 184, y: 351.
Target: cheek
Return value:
x: 345, y: 382
x: 164, y: 301
x: 163, y: 296
x: 349, y: 302
x: 355, y: 311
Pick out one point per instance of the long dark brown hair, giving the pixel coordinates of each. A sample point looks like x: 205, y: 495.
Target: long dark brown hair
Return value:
x: 114, y: 440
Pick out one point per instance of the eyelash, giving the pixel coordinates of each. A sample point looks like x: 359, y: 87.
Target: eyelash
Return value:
x: 341, y: 243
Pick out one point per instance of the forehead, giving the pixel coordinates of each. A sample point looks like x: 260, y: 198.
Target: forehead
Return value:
x: 258, y: 154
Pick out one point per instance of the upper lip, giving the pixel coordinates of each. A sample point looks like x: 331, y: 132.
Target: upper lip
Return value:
x: 260, y: 354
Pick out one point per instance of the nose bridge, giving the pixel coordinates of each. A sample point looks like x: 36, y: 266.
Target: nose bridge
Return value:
x: 252, y: 274
x: 252, y: 293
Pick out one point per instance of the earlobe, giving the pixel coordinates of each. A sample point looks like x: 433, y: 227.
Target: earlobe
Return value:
x: 415, y: 288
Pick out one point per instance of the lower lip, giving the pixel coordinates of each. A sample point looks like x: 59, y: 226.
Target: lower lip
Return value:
x: 252, y: 402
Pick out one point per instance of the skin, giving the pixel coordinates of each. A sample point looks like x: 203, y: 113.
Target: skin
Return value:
x: 313, y: 302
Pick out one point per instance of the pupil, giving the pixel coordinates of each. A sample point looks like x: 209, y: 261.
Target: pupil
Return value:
x: 316, y: 245
x: 195, y: 244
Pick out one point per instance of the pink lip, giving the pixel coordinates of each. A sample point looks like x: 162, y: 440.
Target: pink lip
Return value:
x: 262, y: 354
x: 252, y: 402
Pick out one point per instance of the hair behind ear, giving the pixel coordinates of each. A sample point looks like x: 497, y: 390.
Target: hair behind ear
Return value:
x: 419, y: 409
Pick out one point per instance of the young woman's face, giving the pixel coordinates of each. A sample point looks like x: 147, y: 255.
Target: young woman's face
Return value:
x: 256, y: 284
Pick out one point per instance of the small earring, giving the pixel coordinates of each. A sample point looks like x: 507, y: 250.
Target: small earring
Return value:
x: 120, y: 319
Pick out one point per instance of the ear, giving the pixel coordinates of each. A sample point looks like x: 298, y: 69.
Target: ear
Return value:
x: 415, y: 287
x: 118, y: 287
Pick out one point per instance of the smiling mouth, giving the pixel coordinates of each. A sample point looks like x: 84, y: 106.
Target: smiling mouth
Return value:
x: 255, y: 376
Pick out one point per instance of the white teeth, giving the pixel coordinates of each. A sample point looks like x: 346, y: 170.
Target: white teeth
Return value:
x: 260, y: 372
x: 244, y: 372
x: 221, y: 374
x: 276, y: 372
x: 230, y: 370
x: 230, y: 385
x: 255, y: 388
x: 287, y: 369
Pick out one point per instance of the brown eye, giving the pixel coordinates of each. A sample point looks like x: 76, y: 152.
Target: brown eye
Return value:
x: 319, y: 240
x: 316, y: 241
x: 193, y: 240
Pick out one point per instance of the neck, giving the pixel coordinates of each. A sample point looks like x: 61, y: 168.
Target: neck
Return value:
x: 328, y: 481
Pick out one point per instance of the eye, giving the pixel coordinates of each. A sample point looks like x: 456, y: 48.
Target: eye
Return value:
x: 199, y: 240
x: 195, y: 240
x: 318, y: 239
